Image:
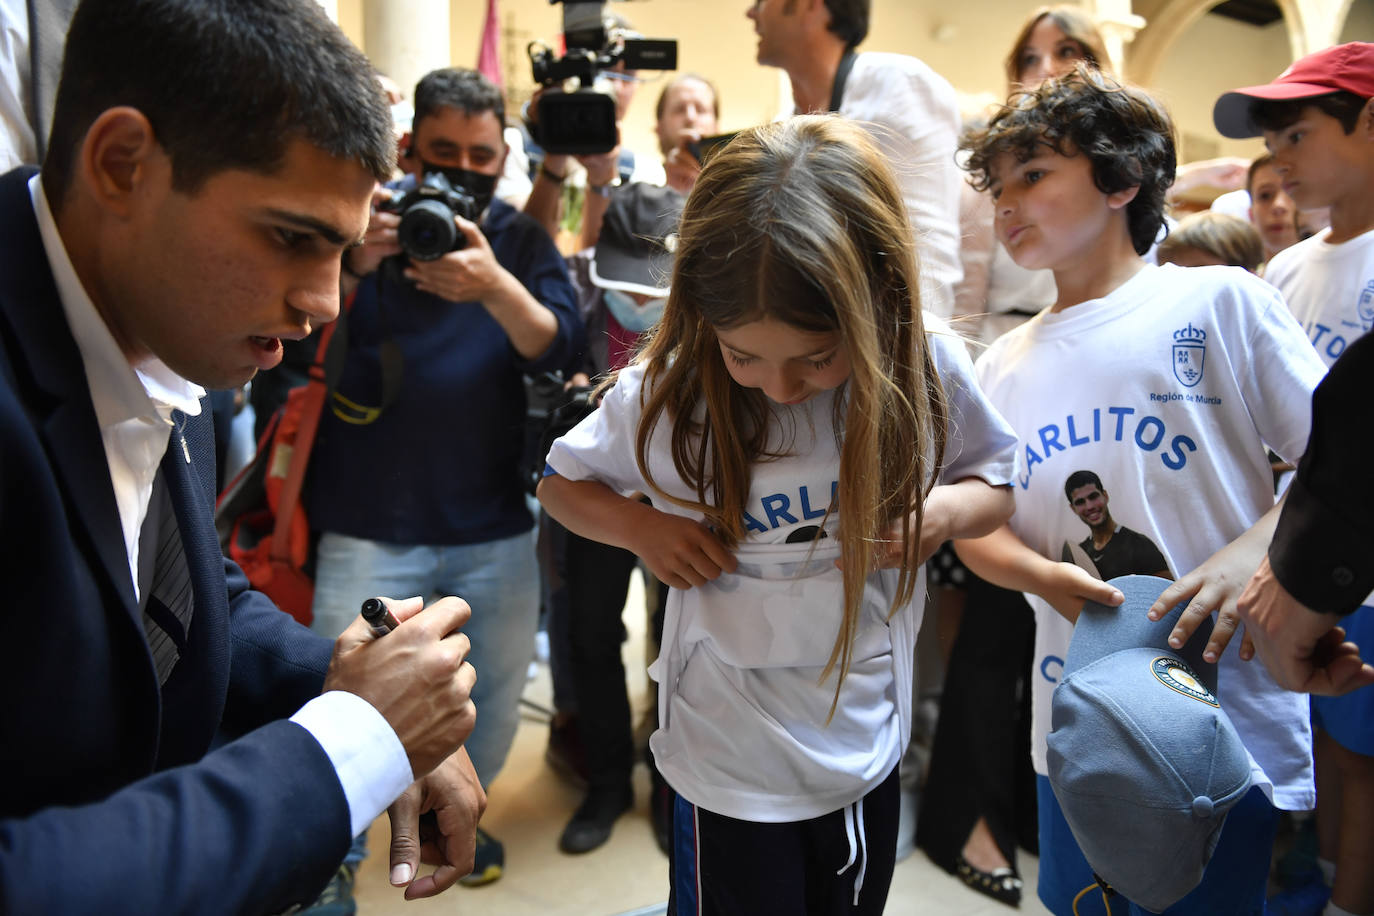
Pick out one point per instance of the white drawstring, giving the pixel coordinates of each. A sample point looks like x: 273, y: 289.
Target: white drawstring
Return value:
x: 854, y: 833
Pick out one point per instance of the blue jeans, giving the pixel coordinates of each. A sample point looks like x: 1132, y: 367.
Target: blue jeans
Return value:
x: 499, y: 579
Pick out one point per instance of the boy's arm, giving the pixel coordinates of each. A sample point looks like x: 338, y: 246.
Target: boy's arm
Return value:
x: 681, y: 552
x: 1216, y: 585
x: 1003, y: 559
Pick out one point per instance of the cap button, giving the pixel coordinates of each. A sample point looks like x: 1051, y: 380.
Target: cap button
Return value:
x: 1342, y: 576
x: 1202, y: 806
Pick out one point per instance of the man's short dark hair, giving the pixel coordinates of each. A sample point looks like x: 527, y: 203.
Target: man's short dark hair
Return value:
x: 849, y: 20
x: 1124, y: 131
x: 466, y: 90
x: 678, y: 81
x: 1081, y: 479
x: 225, y: 84
x: 1276, y: 115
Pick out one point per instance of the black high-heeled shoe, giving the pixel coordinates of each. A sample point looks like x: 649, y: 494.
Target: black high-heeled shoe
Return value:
x: 1000, y: 884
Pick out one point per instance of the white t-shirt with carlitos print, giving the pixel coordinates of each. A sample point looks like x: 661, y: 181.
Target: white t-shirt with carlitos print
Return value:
x: 1330, y: 289
x: 1168, y: 389
x: 745, y: 727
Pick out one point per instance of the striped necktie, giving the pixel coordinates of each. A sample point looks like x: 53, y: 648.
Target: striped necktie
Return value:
x: 165, y: 597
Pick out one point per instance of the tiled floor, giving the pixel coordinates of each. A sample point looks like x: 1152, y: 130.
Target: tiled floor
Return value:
x: 529, y: 805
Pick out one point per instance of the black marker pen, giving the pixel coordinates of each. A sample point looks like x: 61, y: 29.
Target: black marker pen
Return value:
x: 378, y: 617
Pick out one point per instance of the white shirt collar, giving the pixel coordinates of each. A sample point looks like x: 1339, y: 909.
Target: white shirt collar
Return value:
x: 119, y: 392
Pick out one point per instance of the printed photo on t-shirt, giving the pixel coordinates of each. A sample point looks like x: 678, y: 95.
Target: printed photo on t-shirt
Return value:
x: 1110, y: 549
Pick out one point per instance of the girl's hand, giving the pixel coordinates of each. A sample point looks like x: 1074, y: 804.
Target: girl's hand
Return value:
x: 1068, y: 587
x: 681, y: 552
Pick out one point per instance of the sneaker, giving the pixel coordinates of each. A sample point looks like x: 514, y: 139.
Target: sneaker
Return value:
x: 1308, y: 899
x: 591, y: 824
x: 337, y: 897
x: 490, y: 858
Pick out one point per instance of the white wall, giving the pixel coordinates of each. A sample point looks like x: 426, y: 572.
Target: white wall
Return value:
x: 1213, y: 56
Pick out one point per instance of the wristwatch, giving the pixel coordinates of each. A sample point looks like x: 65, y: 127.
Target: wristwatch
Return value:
x: 604, y: 190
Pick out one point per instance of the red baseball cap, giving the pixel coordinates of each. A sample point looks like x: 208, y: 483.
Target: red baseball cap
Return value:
x: 1341, y: 68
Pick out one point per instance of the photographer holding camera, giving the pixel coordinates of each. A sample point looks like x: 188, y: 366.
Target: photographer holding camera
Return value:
x: 414, y: 480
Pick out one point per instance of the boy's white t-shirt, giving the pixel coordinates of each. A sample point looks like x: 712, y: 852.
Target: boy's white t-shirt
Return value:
x: 743, y: 728
x: 1330, y: 289
x: 1168, y: 389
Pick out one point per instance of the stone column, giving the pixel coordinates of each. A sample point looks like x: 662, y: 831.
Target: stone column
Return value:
x: 1318, y: 24
x: 406, y: 39
x: 1118, y: 25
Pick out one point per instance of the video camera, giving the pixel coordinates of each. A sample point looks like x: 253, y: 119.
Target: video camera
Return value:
x: 427, y: 230
x: 583, y: 120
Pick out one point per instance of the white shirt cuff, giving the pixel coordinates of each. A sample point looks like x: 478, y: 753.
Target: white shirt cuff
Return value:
x: 367, y: 756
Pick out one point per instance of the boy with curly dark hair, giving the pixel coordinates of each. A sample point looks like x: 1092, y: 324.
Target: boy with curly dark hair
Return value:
x: 1167, y: 381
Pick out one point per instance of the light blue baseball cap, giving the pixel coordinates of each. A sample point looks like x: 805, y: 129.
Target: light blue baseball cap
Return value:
x: 1142, y: 758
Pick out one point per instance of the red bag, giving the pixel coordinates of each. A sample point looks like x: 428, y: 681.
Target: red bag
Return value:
x: 259, y: 518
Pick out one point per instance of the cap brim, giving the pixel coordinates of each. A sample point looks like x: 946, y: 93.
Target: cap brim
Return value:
x: 1231, y: 114
x: 611, y: 269
x: 1103, y: 630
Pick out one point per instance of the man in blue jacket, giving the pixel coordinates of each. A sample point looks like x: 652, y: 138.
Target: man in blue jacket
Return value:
x: 171, y: 742
x: 415, y: 477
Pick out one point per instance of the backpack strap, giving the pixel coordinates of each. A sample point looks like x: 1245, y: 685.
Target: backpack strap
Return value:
x: 316, y: 392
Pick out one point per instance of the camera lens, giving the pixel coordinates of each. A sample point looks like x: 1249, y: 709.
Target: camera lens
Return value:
x: 427, y: 230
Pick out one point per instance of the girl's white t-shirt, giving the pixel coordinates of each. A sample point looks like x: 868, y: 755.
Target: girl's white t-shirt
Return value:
x: 1168, y: 389
x: 743, y: 711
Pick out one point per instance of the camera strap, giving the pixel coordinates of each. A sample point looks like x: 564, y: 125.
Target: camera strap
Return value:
x: 389, y: 356
x: 841, y: 77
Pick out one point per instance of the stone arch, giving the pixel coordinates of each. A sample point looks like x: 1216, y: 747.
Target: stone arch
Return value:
x: 1164, y: 24
x: 1310, y: 24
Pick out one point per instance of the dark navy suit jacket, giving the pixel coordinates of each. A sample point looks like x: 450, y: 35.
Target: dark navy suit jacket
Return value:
x: 111, y: 797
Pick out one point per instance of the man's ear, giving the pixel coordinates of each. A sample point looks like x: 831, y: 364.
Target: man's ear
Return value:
x: 1366, y: 121
x: 1118, y: 199
x: 118, y: 156
x: 406, y: 159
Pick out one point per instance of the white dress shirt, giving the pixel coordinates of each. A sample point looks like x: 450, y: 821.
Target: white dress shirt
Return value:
x: 17, y: 142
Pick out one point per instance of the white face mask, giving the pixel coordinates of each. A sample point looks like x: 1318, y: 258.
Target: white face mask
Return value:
x: 632, y: 316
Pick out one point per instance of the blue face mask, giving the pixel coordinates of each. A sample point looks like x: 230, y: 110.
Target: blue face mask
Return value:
x: 632, y: 316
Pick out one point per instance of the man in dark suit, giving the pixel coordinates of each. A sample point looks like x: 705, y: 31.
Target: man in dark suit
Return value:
x: 170, y: 742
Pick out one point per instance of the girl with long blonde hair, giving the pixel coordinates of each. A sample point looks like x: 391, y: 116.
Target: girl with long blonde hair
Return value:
x: 793, y: 420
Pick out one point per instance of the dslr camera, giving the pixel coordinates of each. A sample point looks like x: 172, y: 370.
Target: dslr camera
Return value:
x: 577, y: 113
x: 427, y: 231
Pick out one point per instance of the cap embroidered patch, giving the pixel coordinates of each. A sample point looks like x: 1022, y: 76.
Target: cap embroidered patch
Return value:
x: 1175, y: 675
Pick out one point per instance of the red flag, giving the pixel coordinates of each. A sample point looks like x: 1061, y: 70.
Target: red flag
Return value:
x: 489, y: 54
